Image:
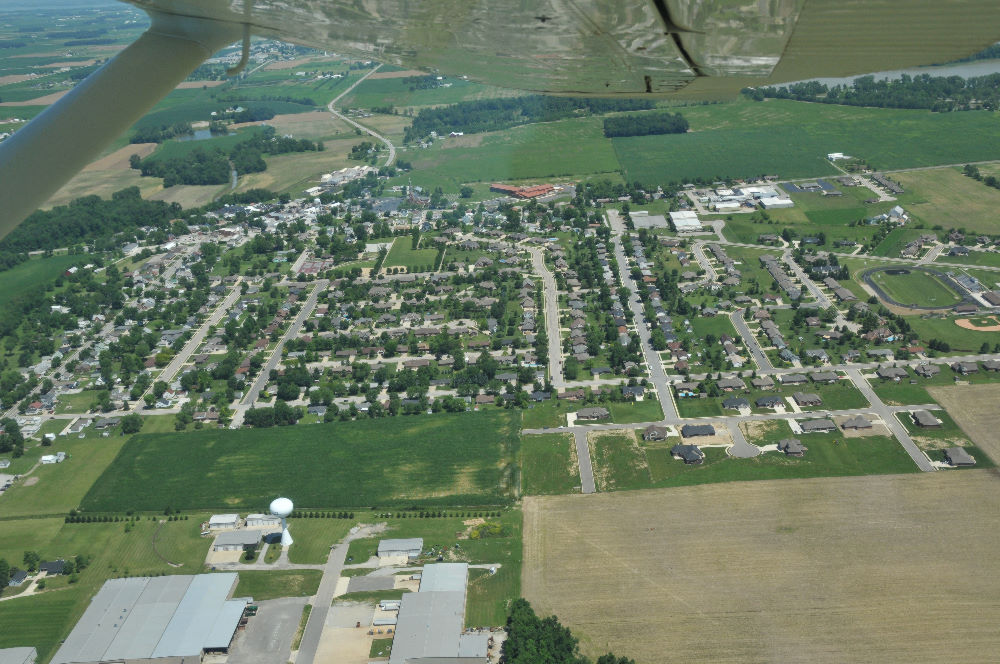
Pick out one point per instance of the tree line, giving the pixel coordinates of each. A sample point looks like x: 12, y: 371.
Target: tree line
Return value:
x: 935, y: 93
x: 645, y: 124
x: 531, y: 640
x: 495, y: 114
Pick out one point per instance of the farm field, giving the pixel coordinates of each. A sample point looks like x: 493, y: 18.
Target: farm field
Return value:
x: 773, y: 562
x: 383, y: 91
x: 445, y: 460
x: 888, y: 138
x: 973, y: 408
x: 915, y: 287
x: 549, y: 464
x: 944, y: 196
x: 546, y: 150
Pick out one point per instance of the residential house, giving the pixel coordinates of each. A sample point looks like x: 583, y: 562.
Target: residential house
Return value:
x: 689, y: 453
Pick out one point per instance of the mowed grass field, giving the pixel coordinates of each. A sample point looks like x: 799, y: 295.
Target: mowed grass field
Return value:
x: 28, y: 276
x: 549, y: 464
x: 874, y: 569
x: 915, y: 287
x: 944, y: 196
x: 791, y: 139
x: 445, y: 460
x: 403, y: 254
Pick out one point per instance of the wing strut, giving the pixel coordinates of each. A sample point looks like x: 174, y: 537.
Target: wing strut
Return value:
x: 44, y: 154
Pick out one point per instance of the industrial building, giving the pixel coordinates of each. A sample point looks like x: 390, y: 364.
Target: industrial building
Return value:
x: 410, y: 548
x: 238, y: 540
x: 430, y: 622
x: 648, y: 220
x: 18, y: 655
x: 263, y: 521
x: 223, y: 521
x: 147, y: 619
x: 686, y: 221
x: 532, y: 191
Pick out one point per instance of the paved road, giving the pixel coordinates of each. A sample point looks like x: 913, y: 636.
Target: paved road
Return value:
x: 268, y: 636
x: 551, y: 299
x: 323, y: 598
x: 583, y: 459
x: 931, y: 255
x: 888, y: 416
x: 250, y: 398
x: 821, y: 299
x: 656, y: 372
x: 756, y: 352
x: 370, y: 132
x: 180, y: 359
x: 741, y: 449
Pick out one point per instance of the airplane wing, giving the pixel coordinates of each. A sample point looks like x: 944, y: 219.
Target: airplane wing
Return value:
x: 683, y: 48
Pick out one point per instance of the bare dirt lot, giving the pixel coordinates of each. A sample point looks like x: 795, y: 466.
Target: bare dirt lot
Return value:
x: 398, y: 74
x: 858, y: 569
x: 974, y: 409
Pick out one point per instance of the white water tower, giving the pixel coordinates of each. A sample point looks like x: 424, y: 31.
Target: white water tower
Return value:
x: 283, y: 507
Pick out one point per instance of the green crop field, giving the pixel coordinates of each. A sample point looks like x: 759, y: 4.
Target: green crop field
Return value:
x: 548, y: 464
x: 29, y: 276
x: 790, y: 139
x: 553, y: 149
x: 394, y: 92
x: 915, y: 287
x: 445, y: 460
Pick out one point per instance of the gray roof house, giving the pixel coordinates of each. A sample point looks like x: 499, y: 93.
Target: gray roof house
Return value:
x: 692, y: 430
x: 857, y: 422
x: 735, y: 403
x: 769, y: 402
x: 817, y: 425
x: 894, y: 373
x: 597, y: 413
x: 807, y: 399
x: 793, y: 379
x: 924, y: 419
x: 791, y: 447
x: 653, y: 432
x: 689, y: 453
x: 957, y: 456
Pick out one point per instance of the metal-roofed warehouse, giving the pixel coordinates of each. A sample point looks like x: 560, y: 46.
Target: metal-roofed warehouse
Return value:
x: 142, y: 619
x: 401, y: 547
x: 18, y: 655
x: 430, y: 622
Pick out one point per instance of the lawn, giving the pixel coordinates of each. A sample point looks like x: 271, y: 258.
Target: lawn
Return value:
x: 548, y: 464
x: 915, y: 287
x: 902, y: 393
x: 691, y: 407
x: 31, y: 276
x: 414, y: 260
x: 314, y: 537
x: 41, y: 621
x: 945, y: 329
x: 623, y: 461
x: 394, y: 92
x: 380, y: 648
x: 460, y: 459
x: 545, y: 414
x: 79, y: 402
x: 987, y: 258
x: 279, y: 583
x: 790, y: 139
x: 61, y: 487
x: 628, y: 412
x: 896, y: 240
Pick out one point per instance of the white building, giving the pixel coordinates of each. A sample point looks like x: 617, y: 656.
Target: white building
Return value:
x: 58, y: 457
x: 263, y: 521
x: 223, y: 521
x: 685, y: 221
x: 727, y: 206
x: 776, y: 203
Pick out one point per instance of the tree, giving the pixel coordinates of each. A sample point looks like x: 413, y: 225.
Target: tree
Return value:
x: 31, y: 560
x: 131, y: 423
x: 4, y: 574
x: 465, y: 192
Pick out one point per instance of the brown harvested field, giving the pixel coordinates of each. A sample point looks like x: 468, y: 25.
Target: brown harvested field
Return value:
x: 197, y: 85
x: 899, y: 568
x: 974, y: 409
x: 37, y: 101
x: 291, y: 64
x: 118, y: 160
x: 103, y: 184
x: 15, y: 78
x: 398, y: 74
